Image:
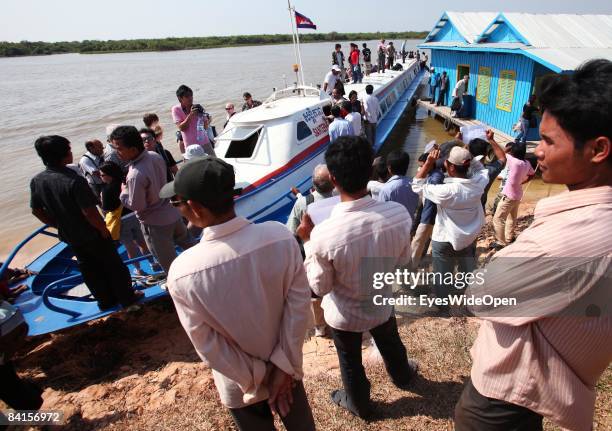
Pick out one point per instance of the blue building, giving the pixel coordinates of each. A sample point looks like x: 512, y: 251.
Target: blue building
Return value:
x: 506, y: 55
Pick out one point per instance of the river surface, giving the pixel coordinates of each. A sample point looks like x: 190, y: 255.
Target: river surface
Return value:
x: 77, y: 96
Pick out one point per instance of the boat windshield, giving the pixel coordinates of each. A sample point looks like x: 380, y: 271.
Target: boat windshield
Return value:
x: 239, y: 133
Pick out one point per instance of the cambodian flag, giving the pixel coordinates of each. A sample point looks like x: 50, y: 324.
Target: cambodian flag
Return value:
x: 304, y: 22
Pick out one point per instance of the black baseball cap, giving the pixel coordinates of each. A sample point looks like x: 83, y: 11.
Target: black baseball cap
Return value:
x: 203, y: 179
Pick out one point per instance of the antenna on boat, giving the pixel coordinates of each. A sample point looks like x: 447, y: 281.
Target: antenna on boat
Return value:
x: 296, y: 45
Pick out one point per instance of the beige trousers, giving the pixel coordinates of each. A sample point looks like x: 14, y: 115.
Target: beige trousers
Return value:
x: 505, y: 219
x: 422, y: 235
x: 317, y: 313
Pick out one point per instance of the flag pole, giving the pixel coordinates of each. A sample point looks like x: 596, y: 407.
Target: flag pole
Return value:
x: 293, y: 32
x: 297, y: 35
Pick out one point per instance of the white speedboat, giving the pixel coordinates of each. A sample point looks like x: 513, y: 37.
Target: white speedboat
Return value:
x: 276, y: 146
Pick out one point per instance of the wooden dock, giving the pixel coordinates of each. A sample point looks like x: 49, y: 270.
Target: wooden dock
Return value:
x: 444, y: 113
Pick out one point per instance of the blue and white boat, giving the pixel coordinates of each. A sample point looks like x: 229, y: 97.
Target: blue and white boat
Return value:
x: 272, y: 147
x: 275, y: 146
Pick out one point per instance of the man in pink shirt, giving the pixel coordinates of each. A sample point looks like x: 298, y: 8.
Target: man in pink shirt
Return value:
x: 243, y: 298
x: 519, y: 172
x: 189, y: 120
x: 543, y: 356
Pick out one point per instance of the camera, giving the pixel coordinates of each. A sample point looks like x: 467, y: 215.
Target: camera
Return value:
x: 198, y: 108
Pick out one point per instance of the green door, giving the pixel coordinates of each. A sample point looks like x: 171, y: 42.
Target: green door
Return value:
x: 462, y: 70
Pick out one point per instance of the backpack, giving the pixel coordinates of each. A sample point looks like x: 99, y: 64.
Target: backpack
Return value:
x: 83, y: 171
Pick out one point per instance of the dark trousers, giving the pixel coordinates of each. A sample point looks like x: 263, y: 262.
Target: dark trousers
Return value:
x: 475, y: 412
x: 369, y: 130
x: 258, y: 417
x: 18, y: 394
x: 446, y: 259
x: 356, y: 384
x: 104, y: 273
x: 442, y: 97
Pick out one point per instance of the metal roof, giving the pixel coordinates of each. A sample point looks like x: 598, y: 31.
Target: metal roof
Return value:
x: 470, y: 24
x: 563, y: 30
x: 561, y: 42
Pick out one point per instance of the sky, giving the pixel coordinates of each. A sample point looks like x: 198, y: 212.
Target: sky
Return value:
x: 61, y: 20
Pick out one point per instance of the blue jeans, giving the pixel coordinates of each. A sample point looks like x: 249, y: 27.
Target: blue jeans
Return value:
x: 522, y: 136
x: 432, y: 92
x: 445, y: 259
x: 357, y: 76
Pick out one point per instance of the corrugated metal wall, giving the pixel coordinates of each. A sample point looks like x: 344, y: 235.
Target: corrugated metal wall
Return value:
x: 447, y: 60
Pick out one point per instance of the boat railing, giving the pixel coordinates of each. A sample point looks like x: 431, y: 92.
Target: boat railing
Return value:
x: 59, y: 286
x: 300, y: 91
x: 40, y: 231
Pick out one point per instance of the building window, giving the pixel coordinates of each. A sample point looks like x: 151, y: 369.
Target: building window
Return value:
x: 484, y: 84
x: 303, y: 131
x: 505, y: 90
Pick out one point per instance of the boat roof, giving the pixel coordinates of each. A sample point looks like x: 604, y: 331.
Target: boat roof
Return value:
x: 282, y: 103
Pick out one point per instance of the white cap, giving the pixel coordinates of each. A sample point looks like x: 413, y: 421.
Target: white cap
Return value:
x: 336, y: 68
x: 194, y: 151
x: 459, y: 156
x: 430, y: 146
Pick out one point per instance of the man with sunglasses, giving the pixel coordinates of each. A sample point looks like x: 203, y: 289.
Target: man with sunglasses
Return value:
x: 230, y: 110
x: 243, y: 298
x: 161, y: 224
x: 151, y: 144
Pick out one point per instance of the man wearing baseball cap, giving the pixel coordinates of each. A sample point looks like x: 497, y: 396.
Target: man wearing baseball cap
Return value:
x: 331, y: 79
x: 243, y: 298
x: 460, y: 216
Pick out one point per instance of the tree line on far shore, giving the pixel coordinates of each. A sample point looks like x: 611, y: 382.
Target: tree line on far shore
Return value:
x: 16, y: 49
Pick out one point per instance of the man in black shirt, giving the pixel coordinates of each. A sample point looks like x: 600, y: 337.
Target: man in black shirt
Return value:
x: 62, y: 199
x: 528, y: 119
x: 367, y: 58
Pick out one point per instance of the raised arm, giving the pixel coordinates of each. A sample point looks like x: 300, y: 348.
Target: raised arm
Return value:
x: 499, y: 152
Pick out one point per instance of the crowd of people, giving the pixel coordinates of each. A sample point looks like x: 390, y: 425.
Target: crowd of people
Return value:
x: 277, y: 280
x: 360, y: 61
x: 353, y: 117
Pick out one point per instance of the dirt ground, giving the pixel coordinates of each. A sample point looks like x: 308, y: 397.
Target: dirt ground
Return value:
x: 138, y: 370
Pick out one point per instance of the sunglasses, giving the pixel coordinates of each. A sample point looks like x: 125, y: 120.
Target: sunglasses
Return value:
x: 177, y: 203
x: 147, y: 139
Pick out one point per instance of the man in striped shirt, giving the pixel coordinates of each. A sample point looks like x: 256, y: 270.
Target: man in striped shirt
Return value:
x: 362, y: 236
x: 544, y: 356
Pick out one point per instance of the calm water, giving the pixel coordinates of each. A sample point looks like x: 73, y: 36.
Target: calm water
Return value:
x: 78, y: 95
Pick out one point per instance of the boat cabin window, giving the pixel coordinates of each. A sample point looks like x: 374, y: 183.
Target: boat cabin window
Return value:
x: 243, y: 140
x: 383, y: 106
x: 303, y: 131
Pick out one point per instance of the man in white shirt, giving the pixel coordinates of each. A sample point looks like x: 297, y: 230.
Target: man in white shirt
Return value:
x: 360, y: 231
x: 458, y: 92
x: 339, y: 127
x: 352, y: 117
x: 322, y: 189
x: 460, y: 216
x: 221, y: 287
x: 89, y: 164
x: 371, y: 109
x: 331, y: 79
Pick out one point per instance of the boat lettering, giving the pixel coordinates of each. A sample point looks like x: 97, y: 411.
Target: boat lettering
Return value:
x: 313, y: 115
